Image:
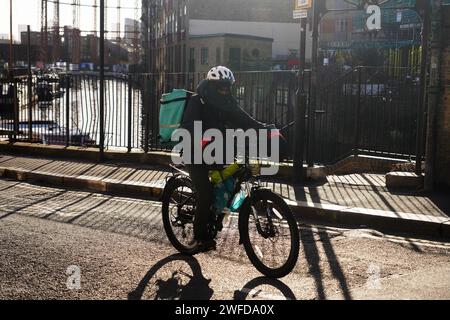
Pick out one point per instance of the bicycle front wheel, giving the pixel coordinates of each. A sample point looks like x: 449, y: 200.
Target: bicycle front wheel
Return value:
x: 269, y: 233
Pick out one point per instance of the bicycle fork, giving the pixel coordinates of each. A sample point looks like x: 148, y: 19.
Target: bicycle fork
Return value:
x: 265, y: 234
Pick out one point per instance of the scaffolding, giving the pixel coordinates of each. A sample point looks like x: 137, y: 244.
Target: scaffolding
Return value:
x: 136, y: 56
x: 44, y: 31
x: 76, y: 33
x: 56, y: 46
x: 95, y: 6
x: 51, y: 39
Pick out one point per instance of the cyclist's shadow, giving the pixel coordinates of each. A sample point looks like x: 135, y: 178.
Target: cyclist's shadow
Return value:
x: 250, y: 290
x: 180, y: 285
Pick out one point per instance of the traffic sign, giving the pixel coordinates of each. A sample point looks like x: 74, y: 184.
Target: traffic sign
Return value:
x: 300, y: 14
x: 302, y: 4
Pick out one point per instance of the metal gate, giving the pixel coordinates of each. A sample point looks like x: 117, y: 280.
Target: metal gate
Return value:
x: 367, y: 110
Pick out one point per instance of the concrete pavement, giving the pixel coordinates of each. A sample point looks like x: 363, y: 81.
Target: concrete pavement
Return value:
x: 359, y: 200
x: 118, y: 248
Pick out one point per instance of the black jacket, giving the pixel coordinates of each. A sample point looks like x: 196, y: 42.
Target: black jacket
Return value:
x: 217, y: 116
x: 212, y: 117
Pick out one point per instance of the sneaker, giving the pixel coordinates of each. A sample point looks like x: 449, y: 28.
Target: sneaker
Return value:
x: 203, y: 246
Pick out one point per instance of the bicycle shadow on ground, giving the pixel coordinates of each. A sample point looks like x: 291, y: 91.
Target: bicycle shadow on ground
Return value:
x: 177, y: 277
x: 254, y: 290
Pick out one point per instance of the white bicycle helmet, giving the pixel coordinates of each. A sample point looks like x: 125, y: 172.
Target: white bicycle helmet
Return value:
x: 221, y: 74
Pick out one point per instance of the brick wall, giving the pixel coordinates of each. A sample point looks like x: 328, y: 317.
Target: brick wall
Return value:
x: 443, y: 113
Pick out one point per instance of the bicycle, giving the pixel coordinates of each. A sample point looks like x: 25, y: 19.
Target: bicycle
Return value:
x: 263, y: 217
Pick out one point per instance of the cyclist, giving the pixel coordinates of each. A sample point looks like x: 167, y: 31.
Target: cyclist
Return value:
x: 216, y: 108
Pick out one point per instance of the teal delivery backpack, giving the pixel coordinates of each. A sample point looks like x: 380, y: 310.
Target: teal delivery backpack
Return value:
x: 171, y: 113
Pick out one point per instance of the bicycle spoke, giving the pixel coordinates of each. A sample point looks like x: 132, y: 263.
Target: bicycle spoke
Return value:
x: 277, y: 213
x: 259, y: 252
x: 270, y: 245
x: 181, y: 205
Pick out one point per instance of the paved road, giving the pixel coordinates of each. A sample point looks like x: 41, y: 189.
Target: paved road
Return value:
x: 117, y: 247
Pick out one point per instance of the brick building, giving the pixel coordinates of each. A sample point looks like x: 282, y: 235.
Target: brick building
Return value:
x: 169, y: 26
x: 20, y: 53
x: 239, y: 52
x: 343, y: 29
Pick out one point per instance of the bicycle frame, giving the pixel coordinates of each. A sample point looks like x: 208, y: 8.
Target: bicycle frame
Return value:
x: 248, y: 187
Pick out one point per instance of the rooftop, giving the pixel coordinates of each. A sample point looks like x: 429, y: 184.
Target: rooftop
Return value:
x: 230, y: 35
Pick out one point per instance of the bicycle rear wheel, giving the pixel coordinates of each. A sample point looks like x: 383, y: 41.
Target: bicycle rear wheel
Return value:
x: 273, y: 246
x: 178, y: 210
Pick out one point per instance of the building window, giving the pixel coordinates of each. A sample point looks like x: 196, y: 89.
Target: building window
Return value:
x: 282, y: 97
x: 259, y: 98
x: 282, y: 110
x: 235, y: 58
x: 204, y: 57
x: 218, y: 56
x: 173, y: 23
x: 240, y: 95
x: 191, y: 59
x: 255, y: 53
x: 258, y: 101
x: 341, y: 25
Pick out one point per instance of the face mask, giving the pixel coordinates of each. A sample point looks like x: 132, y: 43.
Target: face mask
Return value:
x: 210, y: 92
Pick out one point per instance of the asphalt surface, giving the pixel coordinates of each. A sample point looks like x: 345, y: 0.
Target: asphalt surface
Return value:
x: 116, y: 247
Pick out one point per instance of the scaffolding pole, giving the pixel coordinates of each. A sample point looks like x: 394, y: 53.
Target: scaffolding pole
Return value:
x: 56, y: 36
x: 44, y: 30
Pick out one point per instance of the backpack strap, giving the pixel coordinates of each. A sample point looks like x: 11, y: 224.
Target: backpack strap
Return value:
x: 188, y: 97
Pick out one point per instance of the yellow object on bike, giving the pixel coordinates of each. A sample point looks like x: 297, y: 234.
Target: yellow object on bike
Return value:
x: 217, y: 177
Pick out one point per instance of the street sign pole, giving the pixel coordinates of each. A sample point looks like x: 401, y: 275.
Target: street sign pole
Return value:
x: 314, y: 70
x: 301, y: 13
x: 315, y: 35
x: 299, y: 148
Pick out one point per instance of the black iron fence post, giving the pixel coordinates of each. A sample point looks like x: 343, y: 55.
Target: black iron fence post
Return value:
x: 358, y: 115
x: 16, y: 109
x: 67, y: 110
x: 146, y: 112
x: 130, y: 106
x: 102, y: 79
x: 30, y: 106
x: 30, y: 87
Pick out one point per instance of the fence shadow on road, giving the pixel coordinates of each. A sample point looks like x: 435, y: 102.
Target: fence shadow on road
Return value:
x: 178, y: 285
x: 311, y: 239
x: 312, y: 254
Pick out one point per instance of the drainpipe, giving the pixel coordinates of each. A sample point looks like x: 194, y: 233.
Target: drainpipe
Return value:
x: 433, y: 93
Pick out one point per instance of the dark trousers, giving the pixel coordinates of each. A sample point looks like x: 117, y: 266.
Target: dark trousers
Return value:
x: 200, y: 178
